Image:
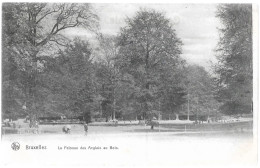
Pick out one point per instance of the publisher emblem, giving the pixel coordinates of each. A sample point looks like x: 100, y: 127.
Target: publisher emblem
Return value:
x: 15, y: 146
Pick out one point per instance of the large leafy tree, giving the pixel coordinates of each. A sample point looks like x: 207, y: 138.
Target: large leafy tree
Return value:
x: 32, y: 32
x: 108, y: 74
x: 172, y: 90
x: 149, y: 46
x: 234, y: 54
x: 200, y: 92
x: 114, y: 86
x: 71, y: 81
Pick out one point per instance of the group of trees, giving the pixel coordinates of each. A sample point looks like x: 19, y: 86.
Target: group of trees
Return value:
x: 31, y: 38
x: 234, y: 71
x: 139, y: 72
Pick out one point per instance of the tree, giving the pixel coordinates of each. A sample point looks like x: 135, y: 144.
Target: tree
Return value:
x: 108, y: 74
x: 171, y: 91
x: 200, y: 92
x: 71, y: 81
x: 234, y: 53
x: 33, y: 30
x: 146, y: 45
x: 12, y: 100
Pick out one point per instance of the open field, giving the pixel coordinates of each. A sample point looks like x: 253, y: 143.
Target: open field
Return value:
x: 164, y: 133
x: 134, y: 128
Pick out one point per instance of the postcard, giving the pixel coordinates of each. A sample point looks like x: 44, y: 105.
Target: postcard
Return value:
x: 129, y: 85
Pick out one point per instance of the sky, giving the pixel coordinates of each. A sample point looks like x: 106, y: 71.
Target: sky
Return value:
x: 195, y: 24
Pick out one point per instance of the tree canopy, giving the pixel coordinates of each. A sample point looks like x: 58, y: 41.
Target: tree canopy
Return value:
x: 149, y: 50
x: 32, y: 35
x: 234, y: 53
x: 137, y: 74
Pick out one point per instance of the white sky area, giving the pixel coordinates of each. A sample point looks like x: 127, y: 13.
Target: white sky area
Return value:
x: 195, y: 24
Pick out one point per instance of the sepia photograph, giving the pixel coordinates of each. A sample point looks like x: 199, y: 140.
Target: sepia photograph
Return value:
x: 129, y: 84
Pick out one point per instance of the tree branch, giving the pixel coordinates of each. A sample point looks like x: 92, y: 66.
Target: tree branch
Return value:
x: 64, y: 45
x: 48, y: 13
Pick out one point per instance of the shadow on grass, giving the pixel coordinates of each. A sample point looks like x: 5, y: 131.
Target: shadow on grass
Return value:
x: 50, y: 132
x: 217, y: 134
x: 197, y: 132
x: 154, y: 130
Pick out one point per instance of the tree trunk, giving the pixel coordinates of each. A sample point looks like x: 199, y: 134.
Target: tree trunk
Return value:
x: 177, y: 116
x: 114, y: 104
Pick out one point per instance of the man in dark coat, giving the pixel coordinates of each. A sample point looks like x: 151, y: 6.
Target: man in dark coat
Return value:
x: 85, y: 128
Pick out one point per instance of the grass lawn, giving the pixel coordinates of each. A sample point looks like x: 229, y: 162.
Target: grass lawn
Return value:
x: 133, y: 127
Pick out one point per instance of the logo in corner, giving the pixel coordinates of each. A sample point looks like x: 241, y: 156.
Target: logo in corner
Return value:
x: 15, y: 146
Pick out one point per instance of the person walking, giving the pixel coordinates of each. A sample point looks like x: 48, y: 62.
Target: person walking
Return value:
x: 86, y: 128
